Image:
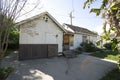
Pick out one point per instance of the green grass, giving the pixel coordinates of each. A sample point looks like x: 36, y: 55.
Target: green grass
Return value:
x: 112, y: 75
x: 4, y: 72
x: 112, y: 55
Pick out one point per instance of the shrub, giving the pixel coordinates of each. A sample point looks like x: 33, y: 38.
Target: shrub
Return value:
x: 112, y: 75
x: 13, y: 45
x: 98, y: 42
x: 80, y: 49
x: 4, y: 72
x: 108, y: 45
x: 88, y: 47
x: 119, y: 63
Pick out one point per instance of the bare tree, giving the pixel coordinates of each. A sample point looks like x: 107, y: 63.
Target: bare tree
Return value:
x: 9, y: 11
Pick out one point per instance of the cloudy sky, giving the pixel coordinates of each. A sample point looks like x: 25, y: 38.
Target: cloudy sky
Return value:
x: 60, y: 10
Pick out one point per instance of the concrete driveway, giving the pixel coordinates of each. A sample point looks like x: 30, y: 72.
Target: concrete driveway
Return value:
x: 83, y: 67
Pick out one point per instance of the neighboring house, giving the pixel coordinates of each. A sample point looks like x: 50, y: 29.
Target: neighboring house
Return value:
x: 76, y: 35
x: 40, y: 37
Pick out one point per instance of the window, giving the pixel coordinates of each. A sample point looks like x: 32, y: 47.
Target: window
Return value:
x: 84, y: 38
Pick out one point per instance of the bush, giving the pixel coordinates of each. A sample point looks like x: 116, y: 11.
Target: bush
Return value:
x: 80, y: 49
x: 4, y: 72
x: 108, y: 45
x: 88, y: 47
x: 13, y: 45
x: 112, y: 75
x: 98, y: 42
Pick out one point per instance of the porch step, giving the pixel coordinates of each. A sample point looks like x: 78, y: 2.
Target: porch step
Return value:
x: 69, y: 54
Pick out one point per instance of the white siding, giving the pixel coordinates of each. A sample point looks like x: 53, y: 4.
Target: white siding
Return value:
x: 37, y: 31
x: 77, y: 40
x: 94, y: 39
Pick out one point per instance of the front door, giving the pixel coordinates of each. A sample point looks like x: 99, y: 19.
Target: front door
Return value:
x: 66, y: 42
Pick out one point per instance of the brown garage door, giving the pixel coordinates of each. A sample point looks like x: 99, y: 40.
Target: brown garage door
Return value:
x: 36, y: 51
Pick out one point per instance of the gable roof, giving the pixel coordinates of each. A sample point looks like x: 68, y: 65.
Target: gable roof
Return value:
x: 38, y: 16
x: 78, y: 29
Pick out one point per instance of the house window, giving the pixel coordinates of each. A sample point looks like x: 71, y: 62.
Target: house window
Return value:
x: 45, y: 18
x: 84, y: 38
x: 71, y: 40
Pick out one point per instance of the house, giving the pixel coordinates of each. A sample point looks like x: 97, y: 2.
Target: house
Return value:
x: 41, y: 36
x: 76, y: 35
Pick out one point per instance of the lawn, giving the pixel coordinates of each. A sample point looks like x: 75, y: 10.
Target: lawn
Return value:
x: 112, y: 75
x: 112, y: 55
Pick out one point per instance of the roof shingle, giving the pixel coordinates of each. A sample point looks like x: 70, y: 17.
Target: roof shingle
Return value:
x: 80, y: 29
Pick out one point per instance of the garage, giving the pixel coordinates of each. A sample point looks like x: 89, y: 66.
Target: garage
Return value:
x: 41, y: 36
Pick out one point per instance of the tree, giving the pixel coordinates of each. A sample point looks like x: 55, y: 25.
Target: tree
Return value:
x: 10, y: 10
x: 110, y: 11
x: 13, y: 42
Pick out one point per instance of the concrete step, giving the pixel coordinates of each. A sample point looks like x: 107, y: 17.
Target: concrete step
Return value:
x: 69, y: 54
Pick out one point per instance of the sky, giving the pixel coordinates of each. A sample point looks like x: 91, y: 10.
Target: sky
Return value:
x: 60, y: 10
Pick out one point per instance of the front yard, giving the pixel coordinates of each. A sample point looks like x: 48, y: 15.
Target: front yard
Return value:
x: 111, y: 55
x: 112, y: 75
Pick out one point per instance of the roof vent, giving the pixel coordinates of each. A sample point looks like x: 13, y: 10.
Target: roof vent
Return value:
x: 45, y: 18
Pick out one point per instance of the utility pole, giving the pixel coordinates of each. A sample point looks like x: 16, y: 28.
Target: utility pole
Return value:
x: 71, y: 17
x: 71, y: 13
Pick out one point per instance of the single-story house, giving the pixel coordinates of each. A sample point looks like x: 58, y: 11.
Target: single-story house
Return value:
x: 41, y: 36
x: 76, y: 35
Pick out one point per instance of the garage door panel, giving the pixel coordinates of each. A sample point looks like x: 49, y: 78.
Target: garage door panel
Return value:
x: 36, y: 51
x: 52, y: 50
x: 32, y: 51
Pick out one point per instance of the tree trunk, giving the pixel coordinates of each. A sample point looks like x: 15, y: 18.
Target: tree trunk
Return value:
x: 1, y: 56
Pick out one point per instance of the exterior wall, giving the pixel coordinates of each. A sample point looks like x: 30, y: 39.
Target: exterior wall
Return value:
x: 41, y: 32
x: 77, y: 40
x: 93, y: 39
